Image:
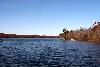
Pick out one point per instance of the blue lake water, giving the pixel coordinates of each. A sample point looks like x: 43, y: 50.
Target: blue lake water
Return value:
x: 48, y: 52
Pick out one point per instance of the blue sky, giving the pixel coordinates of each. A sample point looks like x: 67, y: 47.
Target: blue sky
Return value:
x: 47, y: 17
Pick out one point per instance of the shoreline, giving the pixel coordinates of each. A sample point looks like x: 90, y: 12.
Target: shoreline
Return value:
x: 3, y: 35
x: 92, y: 34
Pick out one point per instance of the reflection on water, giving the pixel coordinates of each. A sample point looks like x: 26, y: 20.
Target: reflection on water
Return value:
x: 49, y: 52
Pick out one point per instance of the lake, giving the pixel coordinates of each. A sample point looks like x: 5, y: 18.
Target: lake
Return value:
x: 48, y: 52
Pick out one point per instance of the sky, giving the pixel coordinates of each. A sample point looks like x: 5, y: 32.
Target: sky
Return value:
x: 47, y: 17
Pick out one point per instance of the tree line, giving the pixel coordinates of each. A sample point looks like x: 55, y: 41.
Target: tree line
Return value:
x: 91, y: 34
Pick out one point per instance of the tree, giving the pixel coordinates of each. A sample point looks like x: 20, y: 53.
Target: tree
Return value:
x: 65, y: 33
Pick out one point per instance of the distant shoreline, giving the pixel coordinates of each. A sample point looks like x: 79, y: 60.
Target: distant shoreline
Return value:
x: 3, y: 35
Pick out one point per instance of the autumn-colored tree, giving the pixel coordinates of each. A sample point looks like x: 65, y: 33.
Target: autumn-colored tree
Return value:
x: 90, y: 34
